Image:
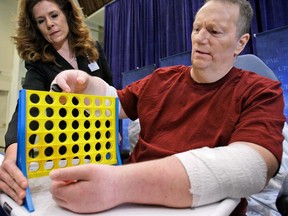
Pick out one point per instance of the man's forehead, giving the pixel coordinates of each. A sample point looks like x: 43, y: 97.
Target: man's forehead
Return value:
x: 221, y: 8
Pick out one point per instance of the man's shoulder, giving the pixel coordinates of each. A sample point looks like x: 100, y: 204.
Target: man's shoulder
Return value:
x: 253, y: 77
x: 174, y: 69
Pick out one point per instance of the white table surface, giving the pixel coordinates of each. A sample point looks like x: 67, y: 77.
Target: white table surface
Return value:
x: 44, y: 205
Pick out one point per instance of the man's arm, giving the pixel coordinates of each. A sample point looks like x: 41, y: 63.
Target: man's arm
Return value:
x: 157, y: 182
x: 78, y: 81
x: 237, y: 170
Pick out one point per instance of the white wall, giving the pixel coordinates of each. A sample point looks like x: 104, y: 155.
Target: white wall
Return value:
x: 9, y: 74
x: 8, y: 10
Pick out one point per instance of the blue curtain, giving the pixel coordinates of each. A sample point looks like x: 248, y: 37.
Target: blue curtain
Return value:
x: 139, y: 32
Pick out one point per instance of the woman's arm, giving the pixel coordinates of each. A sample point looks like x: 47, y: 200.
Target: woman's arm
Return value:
x: 12, y: 181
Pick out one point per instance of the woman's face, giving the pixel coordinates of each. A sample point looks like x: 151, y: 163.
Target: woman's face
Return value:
x: 52, y: 22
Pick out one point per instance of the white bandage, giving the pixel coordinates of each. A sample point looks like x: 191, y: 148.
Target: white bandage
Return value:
x: 233, y: 171
x: 112, y: 92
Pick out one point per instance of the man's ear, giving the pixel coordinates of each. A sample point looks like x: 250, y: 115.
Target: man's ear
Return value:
x: 242, y: 43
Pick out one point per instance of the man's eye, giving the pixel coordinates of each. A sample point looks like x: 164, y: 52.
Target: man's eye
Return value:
x: 215, y: 32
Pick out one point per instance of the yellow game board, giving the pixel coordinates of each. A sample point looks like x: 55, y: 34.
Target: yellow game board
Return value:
x: 58, y: 130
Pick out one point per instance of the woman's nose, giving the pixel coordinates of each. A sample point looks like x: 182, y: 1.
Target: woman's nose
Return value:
x: 49, y: 23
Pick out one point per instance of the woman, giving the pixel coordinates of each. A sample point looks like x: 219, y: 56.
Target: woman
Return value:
x: 51, y: 37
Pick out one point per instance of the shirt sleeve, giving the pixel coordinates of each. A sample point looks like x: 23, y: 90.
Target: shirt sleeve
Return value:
x: 262, y: 118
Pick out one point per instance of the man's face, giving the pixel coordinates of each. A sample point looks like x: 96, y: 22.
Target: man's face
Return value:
x: 51, y: 22
x: 214, y: 36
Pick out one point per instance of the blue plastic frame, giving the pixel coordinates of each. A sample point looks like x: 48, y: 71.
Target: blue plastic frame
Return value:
x: 21, y: 149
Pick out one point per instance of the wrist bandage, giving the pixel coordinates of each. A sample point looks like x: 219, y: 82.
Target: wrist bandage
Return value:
x: 112, y: 92
x: 233, y: 171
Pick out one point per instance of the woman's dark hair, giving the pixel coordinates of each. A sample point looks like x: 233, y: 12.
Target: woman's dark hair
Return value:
x: 32, y: 46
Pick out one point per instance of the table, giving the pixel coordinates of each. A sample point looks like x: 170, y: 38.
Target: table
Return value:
x: 45, y: 205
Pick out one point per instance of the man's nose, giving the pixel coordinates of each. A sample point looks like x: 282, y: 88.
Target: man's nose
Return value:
x: 202, y: 35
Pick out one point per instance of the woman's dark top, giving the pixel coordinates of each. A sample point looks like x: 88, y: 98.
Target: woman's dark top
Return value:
x: 40, y: 75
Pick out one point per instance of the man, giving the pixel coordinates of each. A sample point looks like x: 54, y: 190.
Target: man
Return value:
x: 208, y: 132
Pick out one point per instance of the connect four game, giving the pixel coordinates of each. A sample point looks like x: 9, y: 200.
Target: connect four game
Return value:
x: 58, y: 130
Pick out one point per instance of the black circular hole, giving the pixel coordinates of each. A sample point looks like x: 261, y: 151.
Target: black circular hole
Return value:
x: 62, y: 137
x: 98, y: 146
x: 87, y: 136
x: 107, y: 124
x: 97, y: 124
x: 75, y: 124
x: 107, y: 134
x: 34, y: 98
x: 48, y: 151
x: 75, y: 112
x: 34, y: 125
x: 48, y: 125
x: 86, y: 124
x: 97, y: 135
x: 75, y: 101
x: 87, y: 147
x: 62, y: 150
x: 49, y: 112
x: 34, y: 112
x: 48, y: 99
x: 108, y: 156
x: 62, y: 112
x: 48, y: 138
x: 75, y: 136
x: 62, y: 125
x: 98, y: 157
x: 32, y: 139
x: 108, y: 145
x: 75, y: 148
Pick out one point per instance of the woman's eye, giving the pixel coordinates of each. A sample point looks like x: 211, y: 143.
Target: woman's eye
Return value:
x: 40, y: 21
x: 54, y: 15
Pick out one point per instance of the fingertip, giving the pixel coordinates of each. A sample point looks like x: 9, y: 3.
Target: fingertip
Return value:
x: 67, y: 90
x: 54, y: 174
x: 81, y: 80
x: 21, y: 196
x: 24, y: 184
x: 19, y: 201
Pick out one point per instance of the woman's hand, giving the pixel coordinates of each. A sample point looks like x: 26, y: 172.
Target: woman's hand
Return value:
x: 12, y: 181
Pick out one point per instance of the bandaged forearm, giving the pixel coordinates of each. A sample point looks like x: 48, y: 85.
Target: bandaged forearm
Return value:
x: 112, y: 92
x: 233, y: 171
